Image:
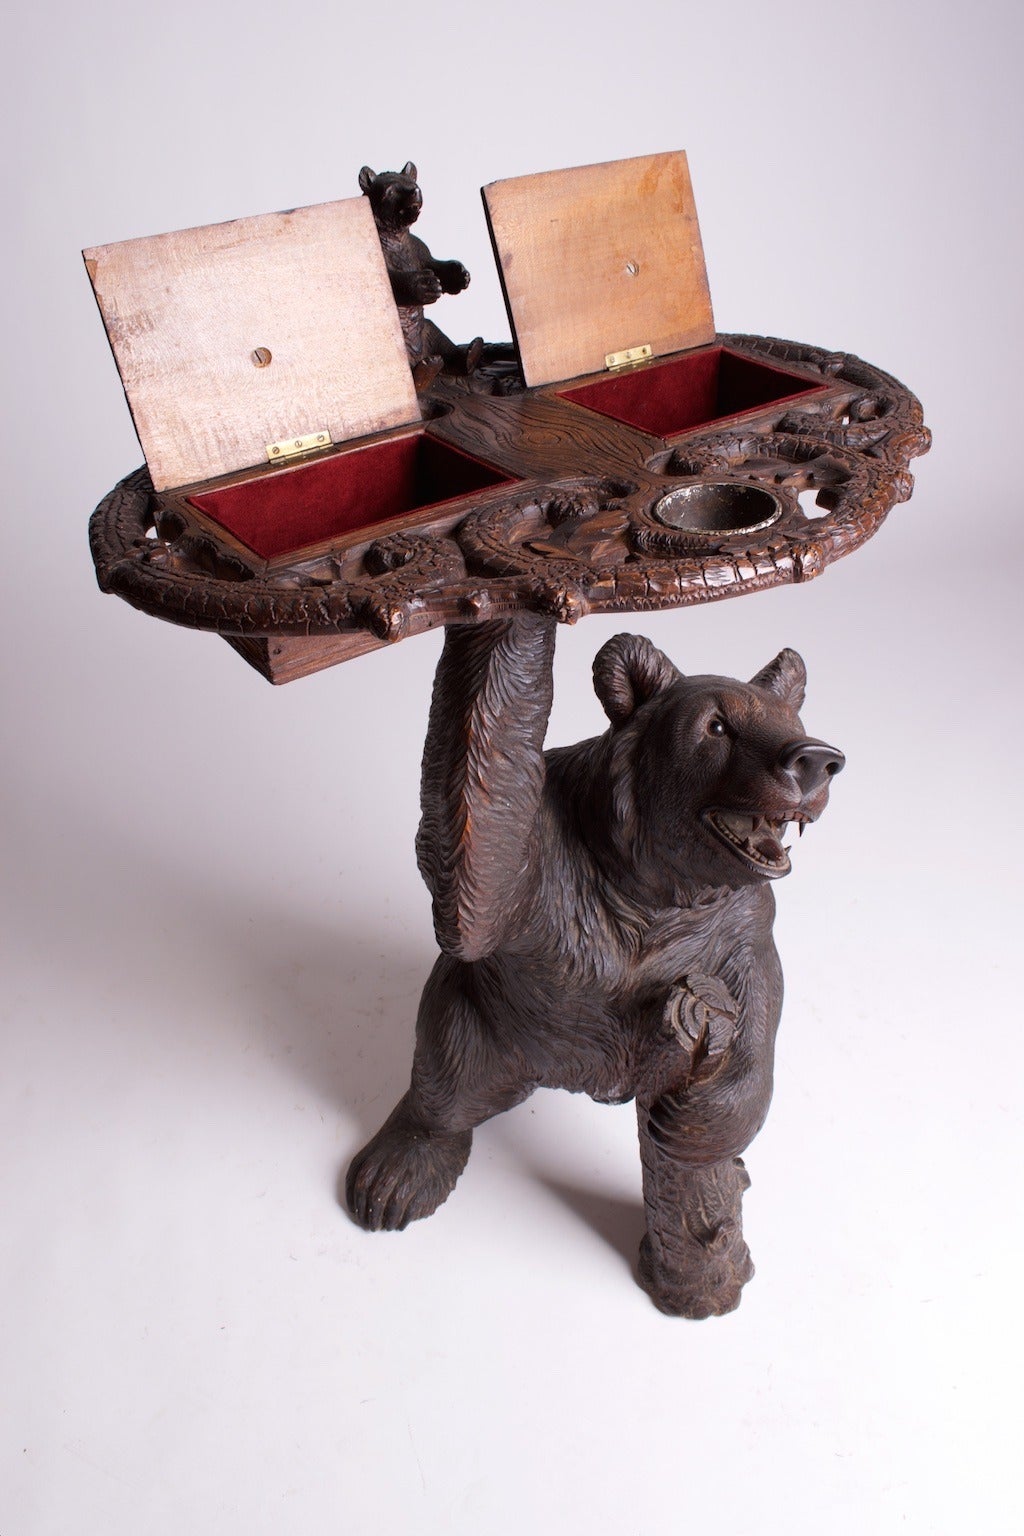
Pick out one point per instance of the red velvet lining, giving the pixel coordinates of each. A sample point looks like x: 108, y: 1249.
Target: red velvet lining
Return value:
x: 691, y: 391
x: 278, y: 514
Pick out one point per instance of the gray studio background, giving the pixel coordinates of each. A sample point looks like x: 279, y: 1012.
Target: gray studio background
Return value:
x: 214, y: 935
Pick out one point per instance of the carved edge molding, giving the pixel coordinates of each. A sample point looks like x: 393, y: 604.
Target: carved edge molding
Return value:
x: 584, y: 544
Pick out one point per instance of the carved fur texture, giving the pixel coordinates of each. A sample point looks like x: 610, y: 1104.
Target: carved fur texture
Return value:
x: 605, y: 914
x: 417, y: 278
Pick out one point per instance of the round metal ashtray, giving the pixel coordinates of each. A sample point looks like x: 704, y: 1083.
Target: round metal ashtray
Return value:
x: 718, y: 507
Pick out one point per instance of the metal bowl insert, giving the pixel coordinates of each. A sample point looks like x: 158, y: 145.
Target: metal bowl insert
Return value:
x: 718, y: 507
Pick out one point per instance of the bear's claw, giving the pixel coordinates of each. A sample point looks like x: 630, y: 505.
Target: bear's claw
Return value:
x: 404, y: 1173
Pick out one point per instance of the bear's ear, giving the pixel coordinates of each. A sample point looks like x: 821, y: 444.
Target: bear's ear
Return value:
x: 408, y: 169
x: 366, y: 178
x: 786, y: 677
x: 629, y: 670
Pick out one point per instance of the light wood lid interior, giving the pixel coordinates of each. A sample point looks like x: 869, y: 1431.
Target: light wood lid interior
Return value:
x: 600, y: 259
x: 188, y: 312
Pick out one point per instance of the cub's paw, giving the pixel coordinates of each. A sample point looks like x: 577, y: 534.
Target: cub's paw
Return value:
x: 404, y: 1173
x: 453, y: 276
x: 426, y: 371
x: 426, y: 286
x: 474, y: 354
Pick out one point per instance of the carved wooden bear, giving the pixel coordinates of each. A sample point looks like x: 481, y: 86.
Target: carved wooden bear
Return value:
x: 605, y: 918
x: 416, y: 277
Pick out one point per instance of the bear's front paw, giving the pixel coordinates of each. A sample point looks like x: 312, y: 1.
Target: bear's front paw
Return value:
x: 701, y: 1015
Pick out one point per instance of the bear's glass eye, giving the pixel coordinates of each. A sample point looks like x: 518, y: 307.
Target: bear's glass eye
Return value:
x: 716, y: 727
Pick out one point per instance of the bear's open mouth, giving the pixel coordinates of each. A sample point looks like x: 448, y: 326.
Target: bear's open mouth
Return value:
x: 755, y: 839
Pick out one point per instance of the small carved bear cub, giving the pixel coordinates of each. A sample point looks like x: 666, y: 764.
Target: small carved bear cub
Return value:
x: 416, y: 278
x: 605, y: 914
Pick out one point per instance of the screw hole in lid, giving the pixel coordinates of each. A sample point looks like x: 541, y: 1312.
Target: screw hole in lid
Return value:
x: 261, y: 356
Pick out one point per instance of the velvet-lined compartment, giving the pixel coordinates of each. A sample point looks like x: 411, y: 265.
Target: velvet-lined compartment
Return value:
x: 279, y: 514
x: 693, y: 390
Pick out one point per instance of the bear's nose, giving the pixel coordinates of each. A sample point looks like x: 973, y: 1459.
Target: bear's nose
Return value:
x: 812, y: 763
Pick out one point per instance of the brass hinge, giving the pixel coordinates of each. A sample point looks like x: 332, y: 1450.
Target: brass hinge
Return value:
x: 628, y: 359
x: 292, y: 447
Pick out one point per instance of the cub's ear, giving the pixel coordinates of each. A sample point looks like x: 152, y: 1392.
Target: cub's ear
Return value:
x: 366, y: 178
x: 408, y: 169
x: 786, y: 677
x: 629, y: 670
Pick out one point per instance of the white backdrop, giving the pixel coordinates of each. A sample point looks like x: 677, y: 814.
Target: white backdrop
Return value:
x: 214, y: 932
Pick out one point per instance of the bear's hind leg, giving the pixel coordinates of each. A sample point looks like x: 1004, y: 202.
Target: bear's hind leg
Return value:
x: 406, y: 1171
x: 459, y: 1080
x: 693, y: 1260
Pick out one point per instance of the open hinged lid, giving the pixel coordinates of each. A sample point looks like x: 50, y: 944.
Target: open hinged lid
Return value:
x: 600, y: 261
x: 235, y: 339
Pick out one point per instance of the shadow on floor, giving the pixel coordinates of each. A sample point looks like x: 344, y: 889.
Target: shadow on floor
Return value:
x: 141, y: 940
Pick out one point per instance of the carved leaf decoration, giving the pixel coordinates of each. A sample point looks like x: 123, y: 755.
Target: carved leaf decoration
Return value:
x: 605, y: 552
x: 549, y: 547
x: 861, y: 443
x: 582, y: 544
x: 611, y: 521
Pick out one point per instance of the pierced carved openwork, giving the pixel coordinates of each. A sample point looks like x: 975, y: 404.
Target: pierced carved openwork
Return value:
x: 579, y: 532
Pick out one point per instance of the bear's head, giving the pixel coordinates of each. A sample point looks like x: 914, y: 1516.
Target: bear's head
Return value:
x: 395, y: 197
x: 706, y: 773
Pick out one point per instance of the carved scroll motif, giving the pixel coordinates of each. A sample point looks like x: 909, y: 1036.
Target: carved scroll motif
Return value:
x: 583, y: 541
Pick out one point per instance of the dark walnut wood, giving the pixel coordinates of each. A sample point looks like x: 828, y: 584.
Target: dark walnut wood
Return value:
x: 604, y: 911
x: 576, y: 534
x: 604, y: 914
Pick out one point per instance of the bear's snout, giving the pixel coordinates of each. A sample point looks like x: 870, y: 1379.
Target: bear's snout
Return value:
x: 811, y: 764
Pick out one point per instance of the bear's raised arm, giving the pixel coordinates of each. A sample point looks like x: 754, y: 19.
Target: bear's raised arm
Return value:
x: 483, y: 774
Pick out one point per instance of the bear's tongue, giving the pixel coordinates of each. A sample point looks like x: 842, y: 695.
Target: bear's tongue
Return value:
x: 755, y: 835
x: 766, y: 845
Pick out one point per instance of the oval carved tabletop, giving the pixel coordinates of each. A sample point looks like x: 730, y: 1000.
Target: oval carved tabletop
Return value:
x: 579, y: 532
